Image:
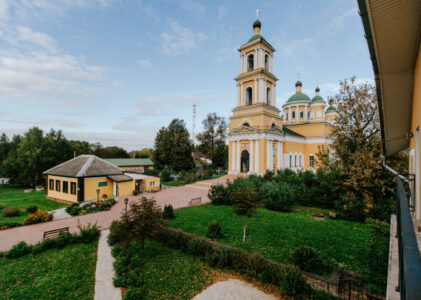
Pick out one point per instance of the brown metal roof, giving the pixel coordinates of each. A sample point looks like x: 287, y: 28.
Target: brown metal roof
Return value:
x: 120, y: 178
x: 85, y: 166
x: 393, y: 30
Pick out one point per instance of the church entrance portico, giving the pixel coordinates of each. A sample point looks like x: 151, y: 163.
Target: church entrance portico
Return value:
x: 245, y: 161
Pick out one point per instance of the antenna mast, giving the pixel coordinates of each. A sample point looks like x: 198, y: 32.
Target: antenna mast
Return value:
x: 194, y: 122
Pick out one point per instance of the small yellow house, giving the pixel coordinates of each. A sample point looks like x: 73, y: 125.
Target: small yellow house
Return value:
x: 88, y: 177
x: 132, y: 164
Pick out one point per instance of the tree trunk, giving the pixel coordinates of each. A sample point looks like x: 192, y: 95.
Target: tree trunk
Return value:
x: 244, y: 230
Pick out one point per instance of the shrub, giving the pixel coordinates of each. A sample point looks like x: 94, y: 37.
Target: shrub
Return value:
x: 279, y: 197
x: 166, y: 175
x: 2, y: 206
x: 291, y: 281
x: 88, y: 233
x: 73, y: 209
x: 37, y: 217
x: 218, y: 194
x: 10, y: 212
x: 135, y: 192
x: 133, y: 293
x: 32, y: 209
x: 18, y: 250
x: 270, y: 273
x: 214, y: 230
x: 168, y: 212
x: 351, y: 208
x: 306, y: 258
x: 8, y: 225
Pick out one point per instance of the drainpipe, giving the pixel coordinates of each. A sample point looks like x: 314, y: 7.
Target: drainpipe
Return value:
x: 392, y: 170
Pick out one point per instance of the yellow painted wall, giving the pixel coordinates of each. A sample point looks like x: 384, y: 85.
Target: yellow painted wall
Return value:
x: 262, y: 155
x: 91, y: 185
x: 230, y: 149
x: 416, y: 109
x: 312, y: 130
x: 251, y: 47
x: 60, y: 195
x: 150, y: 188
x: 126, y: 188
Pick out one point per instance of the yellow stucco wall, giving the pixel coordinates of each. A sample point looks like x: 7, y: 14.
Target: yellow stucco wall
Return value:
x: 60, y: 195
x: 91, y: 185
x: 126, y: 188
x: 152, y: 188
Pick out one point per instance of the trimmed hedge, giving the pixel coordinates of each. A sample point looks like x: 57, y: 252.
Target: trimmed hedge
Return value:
x: 87, y: 234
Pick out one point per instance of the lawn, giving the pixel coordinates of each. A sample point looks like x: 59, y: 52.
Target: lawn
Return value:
x: 15, y: 197
x: 276, y: 234
x: 67, y: 273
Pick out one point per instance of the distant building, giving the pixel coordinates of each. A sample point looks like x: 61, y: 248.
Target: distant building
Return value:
x: 4, y: 180
x: 81, y: 178
x: 134, y: 164
x: 201, y: 158
x: 259, y: 138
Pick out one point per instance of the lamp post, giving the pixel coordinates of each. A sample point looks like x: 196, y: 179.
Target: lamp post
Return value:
x: 97, y: 195
x: 126, y: 200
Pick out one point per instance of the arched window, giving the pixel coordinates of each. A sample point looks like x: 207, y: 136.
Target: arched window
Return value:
x: 249, y: 94
x: 319, y: 114
x: 293, y: 115
x: 273, y: 125
x: 250, y: 62
x: 246, y: 125
x: 268, y: 95
x: 301, y: 114
x: 267, y: 62
x: 308, y: 115
x: 311, y: 115
x: 286, y: 116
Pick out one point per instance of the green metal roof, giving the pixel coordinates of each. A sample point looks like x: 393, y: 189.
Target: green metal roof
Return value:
x: 255, y: 37
x: 317, y: 98
x: 120, y: 162
x: 331, y: 108
x: 290, y: 132
x: 298, y: 97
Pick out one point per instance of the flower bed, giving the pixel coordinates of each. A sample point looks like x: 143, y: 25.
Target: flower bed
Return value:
x: 77, y: 210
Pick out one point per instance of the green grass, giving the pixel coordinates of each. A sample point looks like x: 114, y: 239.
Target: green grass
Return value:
x: 171, y: 274
x: 172, y: 183
x: 276, y: 234
x: 67, y: 273
x: 15, y: 197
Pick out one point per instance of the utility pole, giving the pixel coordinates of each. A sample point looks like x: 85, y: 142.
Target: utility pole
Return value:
x: 194, y: 122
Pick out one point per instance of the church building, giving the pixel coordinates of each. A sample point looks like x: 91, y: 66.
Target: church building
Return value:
x: 260, y: 139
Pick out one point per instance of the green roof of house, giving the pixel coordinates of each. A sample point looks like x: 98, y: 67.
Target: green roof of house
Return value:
x: 290, y: 132
x: 120, y: 162
x: 298, y: 97
x: 317, y: 98
x: 331, y: 108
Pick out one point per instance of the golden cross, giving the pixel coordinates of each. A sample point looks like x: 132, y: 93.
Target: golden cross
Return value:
x: 257, y: 14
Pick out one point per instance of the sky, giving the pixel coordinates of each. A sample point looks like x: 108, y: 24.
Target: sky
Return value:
x: 115, y: 71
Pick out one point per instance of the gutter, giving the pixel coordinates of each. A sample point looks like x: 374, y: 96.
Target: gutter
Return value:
x: 393, y: 171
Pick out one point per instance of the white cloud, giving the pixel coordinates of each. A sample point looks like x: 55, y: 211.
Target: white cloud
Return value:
x: 180, y: 40
x: 25, y: 34
x: 144, y: 63
x: 195, y: 7
x: 222, y: 12
x: 4, y: 11
x: 337, y: 23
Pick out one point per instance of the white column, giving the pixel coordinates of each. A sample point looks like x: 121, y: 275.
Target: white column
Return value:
x: 255, y: 59
x: 271, y: 155
x: 241, y: 94
x: 232, y: 156
x: 273, y: 94
x: 305, y: 112
x: 262, y: 58
x: 279, y: 162
x: 256, y: 157
x: 251, y: 169
x: 238, y: 169
x: 267, y: 154
x: 255, y: 91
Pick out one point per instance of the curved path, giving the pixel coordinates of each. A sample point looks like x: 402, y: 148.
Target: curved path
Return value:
x: 176, y: 196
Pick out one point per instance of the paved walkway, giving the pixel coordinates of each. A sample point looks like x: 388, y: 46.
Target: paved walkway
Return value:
x: 104, y: 287
x: 60, y: 213
x: 176, y: 196
x: 233, y: 289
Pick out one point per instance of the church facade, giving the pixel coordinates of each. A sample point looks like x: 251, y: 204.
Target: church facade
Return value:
x: 259, y: 138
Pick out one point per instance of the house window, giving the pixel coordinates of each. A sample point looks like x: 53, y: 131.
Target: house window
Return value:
x: 65, y: 187
x: 295, y: 161
x: 293, y: 115
x: 308, y: 115
x: 268, y: 95
x: 152, y: 183
x: 73, y: 188
x: 102, y: 183
x: 311, y: 161
x: 51, y: 184
x: 249, y: 93
x: 301, y: 114
x: 266, y: 62
x: 299, y: 163
x: 290, y: 161
x: 286, y: 116
x: 250, y: 62
x: 58, y: 185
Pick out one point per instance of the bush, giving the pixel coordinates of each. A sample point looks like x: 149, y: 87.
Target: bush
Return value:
x: 306, y: 258
x: 166, y: 175
x: 135, y: 192
x: 279, y: 197
x: 18, y: 250
x: 37, y: 217
x: 291, y: 281
x: 214, y: 230
x: 133, y: 293
x: 218, y: 194
x: 73, y: 209
x: 88, y: 233
x: 351, y: 208
x: 168, y: 212
x: 2, y: 206
x: 10, y: 212
x: 7, y: 225
x: 32, y: 209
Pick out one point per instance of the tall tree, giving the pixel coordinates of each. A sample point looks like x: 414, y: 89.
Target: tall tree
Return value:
x: 114, y: 152
x: 144, y: 153
x: 213, y: 135
x: 173, y: 147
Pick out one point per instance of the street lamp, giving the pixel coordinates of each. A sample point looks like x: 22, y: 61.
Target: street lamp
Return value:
x: 126, y: 200
x: 97, y: 195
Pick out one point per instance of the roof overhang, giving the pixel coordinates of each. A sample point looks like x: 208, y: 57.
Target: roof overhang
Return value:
x: 392, y: 30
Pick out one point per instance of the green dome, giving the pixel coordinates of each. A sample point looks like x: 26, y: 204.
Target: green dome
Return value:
x: 317, y: 98
x: 331, y: 108
x: 298, y: 97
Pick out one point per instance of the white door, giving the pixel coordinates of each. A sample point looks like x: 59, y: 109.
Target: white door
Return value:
x: 114, y: 189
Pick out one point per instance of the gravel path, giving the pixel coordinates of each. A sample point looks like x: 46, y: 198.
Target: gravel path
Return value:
x: 233, y: 289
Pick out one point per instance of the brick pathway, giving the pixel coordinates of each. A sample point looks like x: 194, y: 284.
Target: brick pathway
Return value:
x: 176, y: 196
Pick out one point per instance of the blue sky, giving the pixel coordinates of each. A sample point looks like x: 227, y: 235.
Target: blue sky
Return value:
x: 116, y: 71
